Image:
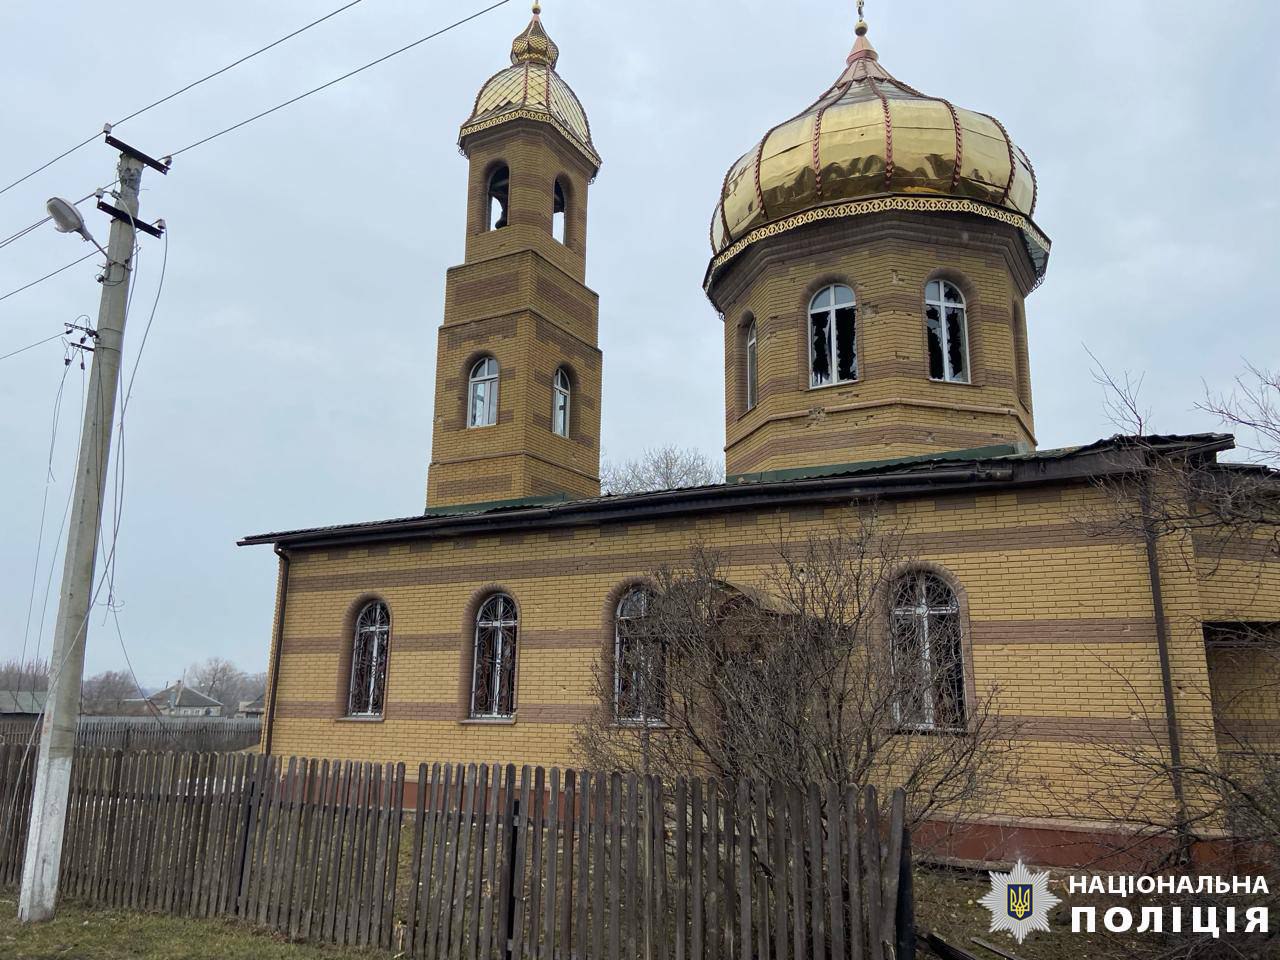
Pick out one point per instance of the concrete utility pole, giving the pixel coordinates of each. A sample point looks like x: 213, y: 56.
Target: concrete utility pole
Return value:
x: 58, y: 741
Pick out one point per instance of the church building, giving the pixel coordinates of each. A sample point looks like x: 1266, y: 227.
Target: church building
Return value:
x: 871, y: 262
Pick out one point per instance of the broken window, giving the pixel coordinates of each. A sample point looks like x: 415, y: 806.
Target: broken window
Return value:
x: 833, y: 348
x: 560, y: 394
x: 369, y: 661
x: 493, y: 672
x: 928, y: 657
x: 482, y: 396
x: 499, y: 196
x: 945, y: 327
x: 640, y: 663
x: 752, y: 365
x: 559, y: 212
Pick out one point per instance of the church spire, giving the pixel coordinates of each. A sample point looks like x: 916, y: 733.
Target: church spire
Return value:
x: 534, y: 45
x: 862, y: 49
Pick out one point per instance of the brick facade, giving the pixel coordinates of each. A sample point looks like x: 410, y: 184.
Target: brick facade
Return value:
x: 893, y: 409
x: 1059, y: 624
x: 521, y: 298
x: 1058, y: 627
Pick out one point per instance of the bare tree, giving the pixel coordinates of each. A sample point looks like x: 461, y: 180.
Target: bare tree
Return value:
x: 28, y: 675
x: 217, y: 678
x: 817, y: 673
x: 660, y: 468
x: 1215, y: 773
x: 226, y: 682
x: 107, y: 693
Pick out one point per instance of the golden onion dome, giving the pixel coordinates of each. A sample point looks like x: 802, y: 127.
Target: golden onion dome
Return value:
x: 530, y: 89
x: 873, y: 143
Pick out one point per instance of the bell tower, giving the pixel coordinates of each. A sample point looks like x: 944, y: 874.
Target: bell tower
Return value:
x: 518, y: 369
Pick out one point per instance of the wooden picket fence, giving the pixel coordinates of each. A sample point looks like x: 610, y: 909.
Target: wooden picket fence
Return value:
x: 483, y: 862
x: 193, y: 734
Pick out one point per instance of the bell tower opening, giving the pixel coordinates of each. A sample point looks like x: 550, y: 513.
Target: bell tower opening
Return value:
x: 559, y: 213
x: 499, y: 196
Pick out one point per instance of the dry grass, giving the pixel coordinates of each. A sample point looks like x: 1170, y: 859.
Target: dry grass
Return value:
x: 81, y: 933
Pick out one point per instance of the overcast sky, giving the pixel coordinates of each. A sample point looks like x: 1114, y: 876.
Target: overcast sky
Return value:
x: 289, y: 374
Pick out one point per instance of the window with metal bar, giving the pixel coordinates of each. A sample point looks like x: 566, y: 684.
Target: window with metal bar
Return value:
x: 367, y: 691
x: 640, y: 663
x: 493, y: 670
x: 928, y: 657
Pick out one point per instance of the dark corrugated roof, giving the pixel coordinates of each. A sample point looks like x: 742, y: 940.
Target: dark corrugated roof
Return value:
x: 905, y: 475
x: 22, y: 701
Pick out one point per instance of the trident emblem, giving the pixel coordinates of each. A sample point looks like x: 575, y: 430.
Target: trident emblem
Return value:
x: 1019, y: 900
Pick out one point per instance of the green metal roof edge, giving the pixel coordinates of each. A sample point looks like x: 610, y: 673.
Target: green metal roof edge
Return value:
x: 800, y: 473
x: 485, y: 507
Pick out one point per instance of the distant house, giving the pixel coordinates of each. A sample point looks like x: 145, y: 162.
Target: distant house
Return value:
x: 179, y: 700
x: 21, y: 704
x: 253, y: 708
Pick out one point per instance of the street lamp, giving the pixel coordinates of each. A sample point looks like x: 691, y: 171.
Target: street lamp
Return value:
x: 67, y: 219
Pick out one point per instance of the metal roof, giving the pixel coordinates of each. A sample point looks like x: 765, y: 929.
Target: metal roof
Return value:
x: 901, y: 477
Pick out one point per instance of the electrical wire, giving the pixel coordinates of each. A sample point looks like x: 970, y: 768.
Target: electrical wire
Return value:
x: 345, y: 76
x: 47, y: 276
x: 106, y: 578
x: 40, y: 223
x: 280, y: 106
x: 44, y: 509
x: 38, y: 343
x: 182, y: 90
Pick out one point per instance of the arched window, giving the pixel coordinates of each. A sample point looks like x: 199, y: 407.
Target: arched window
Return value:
x: 833, y: 348
x: 753, y: 365
x: 499, y: 195
x: 482, y: 394
x: 560, y: 395
x: 493, y: 668
x: 946, y: 327
x: 928, y: 656
x: 639, y: 662
x: 559, y: 212
x: 369, y: 661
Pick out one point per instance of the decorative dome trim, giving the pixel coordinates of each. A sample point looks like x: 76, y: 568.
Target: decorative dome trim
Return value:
x: 530, y: 89
x: 870, y: 136
x: 1036, y: 242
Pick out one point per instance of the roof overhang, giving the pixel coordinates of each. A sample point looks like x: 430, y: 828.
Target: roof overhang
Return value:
x: 927, y: 477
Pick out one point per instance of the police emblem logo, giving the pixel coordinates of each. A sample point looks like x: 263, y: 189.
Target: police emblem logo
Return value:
x: 1020, y: 901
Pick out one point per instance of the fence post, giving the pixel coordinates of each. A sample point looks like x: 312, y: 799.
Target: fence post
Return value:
x: 906, y: 932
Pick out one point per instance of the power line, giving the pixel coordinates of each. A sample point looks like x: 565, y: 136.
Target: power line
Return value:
x: 40, y: 223
x: 182, y: 90
x: 280, y: 106
x: 345, y: 76
x: 28, y: 286
x: 38, y: 343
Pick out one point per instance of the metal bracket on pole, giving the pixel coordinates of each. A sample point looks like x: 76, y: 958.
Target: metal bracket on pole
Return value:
x: 162, y: 166
x: 156, y: 231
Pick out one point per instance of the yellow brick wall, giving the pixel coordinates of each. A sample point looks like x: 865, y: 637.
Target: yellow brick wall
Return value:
x: 1060, y: 630
x: 893, y: 409
x: 521, y: 298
